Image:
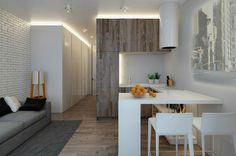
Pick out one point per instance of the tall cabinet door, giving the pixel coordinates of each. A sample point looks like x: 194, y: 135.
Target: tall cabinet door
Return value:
x: 139, y: 35
x: 67, y: 70
x: 94, y: 60
x: 107, y: 72
x: 76, y: 63
x: 107, y: 84
x: 83, y: 70
x: 89, y: 71
x: 80, y: 72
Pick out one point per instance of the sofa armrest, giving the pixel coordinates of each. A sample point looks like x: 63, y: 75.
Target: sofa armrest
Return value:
x: 47, y: 107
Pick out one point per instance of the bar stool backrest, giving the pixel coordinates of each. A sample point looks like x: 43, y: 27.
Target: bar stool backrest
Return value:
x: 174, y: 123
x: 219, y: 123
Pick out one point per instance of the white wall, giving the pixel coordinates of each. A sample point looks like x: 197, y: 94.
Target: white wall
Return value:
x: 46, y: 47
x: 178, y: 64
x: 138, y: 66
x: 14, y: 56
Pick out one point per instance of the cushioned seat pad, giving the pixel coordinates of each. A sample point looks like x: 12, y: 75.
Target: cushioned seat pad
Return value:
x: 9, y: 129
x: 27, y: 117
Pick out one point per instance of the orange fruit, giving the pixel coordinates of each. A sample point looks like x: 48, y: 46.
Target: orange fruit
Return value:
x: 150, y: 93
x: 133, y: 90
x: 138, y: 86
x: 138, y: 91
x: 154, y: 95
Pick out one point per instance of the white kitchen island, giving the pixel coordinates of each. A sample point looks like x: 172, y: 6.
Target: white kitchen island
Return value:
x: 129, y: 137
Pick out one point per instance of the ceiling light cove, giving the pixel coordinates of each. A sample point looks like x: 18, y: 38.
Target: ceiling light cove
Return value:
x: 128, y: 16
x: 59, y: 23
x: 46, y: 23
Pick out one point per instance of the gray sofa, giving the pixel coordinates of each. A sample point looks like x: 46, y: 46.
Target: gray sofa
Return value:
x: 16, y: 128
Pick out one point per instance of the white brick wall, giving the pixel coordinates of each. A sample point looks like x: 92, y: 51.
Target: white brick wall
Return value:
x: 15, y: 56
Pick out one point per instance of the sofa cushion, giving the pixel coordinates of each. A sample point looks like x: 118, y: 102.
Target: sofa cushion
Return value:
x: 32, y: 104
x: 13, y: 103
x: 4, y: 108
x: 9, y: 129
x: 27, y: 117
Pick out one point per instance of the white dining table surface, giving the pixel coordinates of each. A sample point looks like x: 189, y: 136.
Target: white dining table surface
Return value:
x: 172, y: 97
x: 129, y: 114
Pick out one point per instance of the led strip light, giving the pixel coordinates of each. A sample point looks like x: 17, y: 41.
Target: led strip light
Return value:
x: 59, y: 23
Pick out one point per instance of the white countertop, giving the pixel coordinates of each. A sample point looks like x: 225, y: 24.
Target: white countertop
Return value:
x: 171, y: 97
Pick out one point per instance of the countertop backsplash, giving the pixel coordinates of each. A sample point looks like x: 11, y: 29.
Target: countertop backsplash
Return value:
x: 135, y: 68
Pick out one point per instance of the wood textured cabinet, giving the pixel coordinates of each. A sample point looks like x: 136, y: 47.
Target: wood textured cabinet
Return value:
x: 107, y: 84
x: 139, y: 35
x: 108, y: 35
x: 115, y: 36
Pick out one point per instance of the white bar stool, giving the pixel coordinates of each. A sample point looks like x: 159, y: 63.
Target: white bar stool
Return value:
x: 215, y: 124
x: 171, y: 124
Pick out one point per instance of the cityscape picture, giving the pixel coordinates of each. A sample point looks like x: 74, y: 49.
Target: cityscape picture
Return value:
x: 214, y: 40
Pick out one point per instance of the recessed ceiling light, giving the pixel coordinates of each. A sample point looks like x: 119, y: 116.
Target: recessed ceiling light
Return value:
x: 68, y: 8
x: 124, y: 9
x: 85, y: 30
x: 91, y: 36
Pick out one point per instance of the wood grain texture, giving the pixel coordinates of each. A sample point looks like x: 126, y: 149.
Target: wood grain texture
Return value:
x: 100, y: 138
x: 115, y: 36
x: 108, y: 35
x: 107, y: 84
x: 140, y: 35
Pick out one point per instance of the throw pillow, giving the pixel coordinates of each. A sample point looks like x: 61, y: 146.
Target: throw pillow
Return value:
x: 33, y: 104
x: 13, y: 103
x: 4, y: 108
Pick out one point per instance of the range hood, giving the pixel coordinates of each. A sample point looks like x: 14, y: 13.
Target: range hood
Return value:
x: 169, y: 22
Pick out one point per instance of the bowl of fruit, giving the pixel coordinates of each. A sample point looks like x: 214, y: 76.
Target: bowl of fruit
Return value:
x: 138, y: 91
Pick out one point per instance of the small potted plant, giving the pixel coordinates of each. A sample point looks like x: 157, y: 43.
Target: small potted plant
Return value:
x: 157, y: 78
x: 151, y: 78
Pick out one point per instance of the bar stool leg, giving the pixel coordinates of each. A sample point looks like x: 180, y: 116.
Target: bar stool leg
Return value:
x: 234, y: 140
x: 213, y: 145
x: 149, y: 137
x: 203, y: 144
x: 185, y: 145
x: 190, y: 141
x: 157, y: 144
x: 176, y: 145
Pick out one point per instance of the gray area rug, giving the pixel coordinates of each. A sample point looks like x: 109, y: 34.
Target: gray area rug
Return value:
x: 49, y: 141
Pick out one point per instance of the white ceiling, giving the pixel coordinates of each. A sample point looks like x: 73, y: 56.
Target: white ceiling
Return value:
x: 83, y: 13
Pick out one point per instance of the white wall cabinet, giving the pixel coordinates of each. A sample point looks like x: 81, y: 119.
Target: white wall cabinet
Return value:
x: 66, y: 60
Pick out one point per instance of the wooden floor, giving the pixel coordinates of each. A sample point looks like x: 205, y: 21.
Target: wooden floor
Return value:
x: 100, y: 138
